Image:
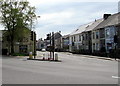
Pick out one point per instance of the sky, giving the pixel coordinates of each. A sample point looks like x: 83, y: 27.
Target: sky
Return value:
x: 68, y: 15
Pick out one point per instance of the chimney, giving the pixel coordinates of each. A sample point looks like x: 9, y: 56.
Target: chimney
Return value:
x: 95, y: 20
x: 59, y: 31
x: 105, y: 16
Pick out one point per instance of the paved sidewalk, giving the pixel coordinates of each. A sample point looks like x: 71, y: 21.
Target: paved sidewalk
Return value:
x: 105, y: 58
x: 88, y: 56
x: 99, y: 57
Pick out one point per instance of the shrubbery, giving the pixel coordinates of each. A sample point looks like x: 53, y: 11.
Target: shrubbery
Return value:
x: 114, y: 53
x: 19, y: 54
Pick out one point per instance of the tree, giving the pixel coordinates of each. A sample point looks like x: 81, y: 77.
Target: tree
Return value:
x: 16, y: 17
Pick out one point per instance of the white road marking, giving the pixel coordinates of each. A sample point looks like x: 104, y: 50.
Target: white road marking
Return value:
x: 24, y: 59
x: 115, y: 77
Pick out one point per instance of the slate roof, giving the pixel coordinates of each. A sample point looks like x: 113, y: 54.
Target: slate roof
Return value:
x: 111, y: 20
x: 94, y: 25
x: 87, y: 27
x: 80, y: 29
x: 65, y: 36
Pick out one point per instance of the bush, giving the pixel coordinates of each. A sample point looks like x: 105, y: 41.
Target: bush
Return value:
x: 19, y: 54
x: 114, y: 53
x: 98, y: 53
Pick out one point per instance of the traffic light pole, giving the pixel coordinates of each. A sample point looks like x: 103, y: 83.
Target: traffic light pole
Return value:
x: 34, y: 45
x: 50, y: 45
x: 53, y: 44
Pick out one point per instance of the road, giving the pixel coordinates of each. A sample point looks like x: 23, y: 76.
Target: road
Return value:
x: 74, y: 69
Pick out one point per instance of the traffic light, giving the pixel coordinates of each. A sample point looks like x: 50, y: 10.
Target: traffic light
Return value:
x: 115, y: 39
x: 48, y: 36
x: 31, y: 35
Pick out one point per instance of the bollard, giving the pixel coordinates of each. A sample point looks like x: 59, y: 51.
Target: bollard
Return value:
x: 43, y: 56
x: 30, y: 55
x: 48, y: 57
x: 56, y: 57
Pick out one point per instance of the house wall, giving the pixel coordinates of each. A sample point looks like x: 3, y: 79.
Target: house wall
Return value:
x: 0, y: 42
x: 76, y: 42
x: 95, y: 40
x: 16, y: 48
x: 70, y: 43
x: 65, y: 43
x: 27, y: 42
x: 109, y: 37
x: 102, y: 40
x: 82, y: 41
x: 39, y: 44
x: 58, y: 44
x: 118, y: 34
x: 86, y: 41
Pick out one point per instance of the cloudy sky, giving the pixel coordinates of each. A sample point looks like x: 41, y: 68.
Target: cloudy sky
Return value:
x: 67, y: 15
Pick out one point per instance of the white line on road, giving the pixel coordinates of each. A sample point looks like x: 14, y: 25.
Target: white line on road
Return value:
x: 116, y: 77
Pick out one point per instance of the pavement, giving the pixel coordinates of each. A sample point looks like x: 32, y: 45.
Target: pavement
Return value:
x: 87, y: 56
x: 99, y: 57
x: 74, y: 69
x: 40, y: 56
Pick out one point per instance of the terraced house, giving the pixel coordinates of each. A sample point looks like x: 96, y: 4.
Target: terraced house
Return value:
x: 109, y: 33
x: 100, y: 37
x: 80, y: 39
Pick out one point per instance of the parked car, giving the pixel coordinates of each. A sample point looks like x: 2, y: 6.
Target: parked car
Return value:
x: 43, y: 50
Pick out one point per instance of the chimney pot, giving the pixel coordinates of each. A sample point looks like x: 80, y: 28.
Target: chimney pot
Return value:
x: 105, y: 16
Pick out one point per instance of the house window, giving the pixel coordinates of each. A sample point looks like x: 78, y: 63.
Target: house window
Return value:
x: 97, y: 46
x: 93, y: 46
x: 74, y: 38
x: 83, y: 37
x: 79, y: 37
x: 23, y: 48
x: 107, y: 33
x: 102, y: 33
x: 97, y: 35
x: 86, y: 36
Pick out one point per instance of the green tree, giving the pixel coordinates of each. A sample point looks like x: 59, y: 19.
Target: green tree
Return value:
x: 16, y: 16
